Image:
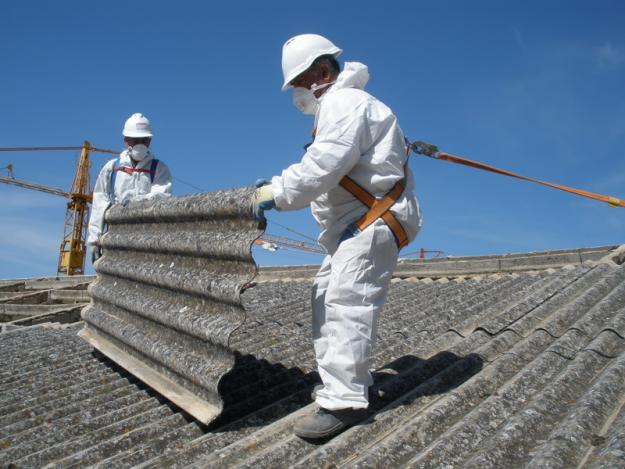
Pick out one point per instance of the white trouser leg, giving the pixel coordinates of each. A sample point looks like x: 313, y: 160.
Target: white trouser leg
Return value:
x: 348, y: 295
x: 319, y: 289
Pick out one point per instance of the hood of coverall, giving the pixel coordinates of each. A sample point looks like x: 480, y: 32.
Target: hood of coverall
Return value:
x: 354, y: 75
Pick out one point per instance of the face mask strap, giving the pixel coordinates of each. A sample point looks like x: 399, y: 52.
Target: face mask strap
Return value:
x: 314, y: 87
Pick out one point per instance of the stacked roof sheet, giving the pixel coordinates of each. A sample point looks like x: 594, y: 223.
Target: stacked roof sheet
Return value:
x: 507, y: 370
x: 167, y: 296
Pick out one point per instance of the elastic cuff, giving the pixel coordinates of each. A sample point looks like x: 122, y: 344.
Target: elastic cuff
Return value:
x: 277, y: 192
x: 338, y: 404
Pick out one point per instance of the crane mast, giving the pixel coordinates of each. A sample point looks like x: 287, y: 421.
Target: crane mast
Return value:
x: 73, y: 249
x: 73, y: 246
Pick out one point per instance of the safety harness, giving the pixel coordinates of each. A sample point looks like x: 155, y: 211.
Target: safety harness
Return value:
x: 378, y: 208
x: 117, y: 166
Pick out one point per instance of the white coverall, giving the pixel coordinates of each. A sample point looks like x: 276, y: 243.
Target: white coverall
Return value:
x: 135, y: 186
x: 359, y: 136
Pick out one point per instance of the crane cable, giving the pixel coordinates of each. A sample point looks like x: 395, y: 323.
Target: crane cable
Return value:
x: 94, y: 149
x: 292, y: 230
x: 431, y: 151
x: 12, y: 149
x: 420, y: 148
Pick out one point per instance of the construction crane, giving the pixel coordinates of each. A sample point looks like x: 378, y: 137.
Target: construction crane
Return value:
x: 73, y: 246
x: 72, y: 252
x: 32, y: 185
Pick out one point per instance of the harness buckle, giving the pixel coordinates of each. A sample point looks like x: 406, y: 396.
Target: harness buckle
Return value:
x: 423, y: 148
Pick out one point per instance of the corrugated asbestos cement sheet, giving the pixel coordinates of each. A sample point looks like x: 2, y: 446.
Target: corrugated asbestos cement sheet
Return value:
x: 167, y: 295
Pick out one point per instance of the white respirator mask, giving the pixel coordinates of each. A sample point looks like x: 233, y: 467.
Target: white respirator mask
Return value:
x: 305, y: 99
x: 138, y: 152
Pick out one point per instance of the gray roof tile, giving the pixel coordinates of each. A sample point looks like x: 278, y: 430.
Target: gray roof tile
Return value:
x: 507, y: 371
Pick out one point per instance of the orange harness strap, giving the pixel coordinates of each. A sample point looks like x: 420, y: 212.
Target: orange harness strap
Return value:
x: 378, y: 208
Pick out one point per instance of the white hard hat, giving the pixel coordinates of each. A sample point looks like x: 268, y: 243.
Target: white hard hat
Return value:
x: 137, y: 126
x: 299, y: 52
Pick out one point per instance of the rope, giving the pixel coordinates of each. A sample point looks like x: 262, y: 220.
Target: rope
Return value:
x: 189, y: 184
x: 431, y: 151
x: 292, y: 230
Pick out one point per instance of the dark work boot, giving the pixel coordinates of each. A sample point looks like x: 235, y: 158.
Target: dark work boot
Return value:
x: 326, y: 423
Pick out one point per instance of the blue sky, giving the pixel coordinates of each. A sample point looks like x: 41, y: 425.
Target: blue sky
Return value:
x: 533, y: 87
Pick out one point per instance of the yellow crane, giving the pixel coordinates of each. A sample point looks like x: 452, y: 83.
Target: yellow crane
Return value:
x: 72, y: 251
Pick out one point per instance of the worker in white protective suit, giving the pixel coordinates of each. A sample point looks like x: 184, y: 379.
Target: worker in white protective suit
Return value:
x: 135, y: 175
x: 357, y: 158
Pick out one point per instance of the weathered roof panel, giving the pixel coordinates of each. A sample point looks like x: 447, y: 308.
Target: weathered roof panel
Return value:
x: 36, y: 301
x: 512, y: 370
x: 167, y: 296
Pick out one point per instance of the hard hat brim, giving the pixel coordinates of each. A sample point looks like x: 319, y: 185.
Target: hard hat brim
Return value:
x: 335, y: 51
x: 137, y: 134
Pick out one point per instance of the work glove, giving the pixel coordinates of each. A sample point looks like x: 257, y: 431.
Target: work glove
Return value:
x: 263, y: 199
x: 96, y: 253
x: 351, y: 231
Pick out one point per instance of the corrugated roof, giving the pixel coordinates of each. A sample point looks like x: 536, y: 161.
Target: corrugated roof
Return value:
x: 34, y: 301
x: 167, y: 296
x: 506, y: 370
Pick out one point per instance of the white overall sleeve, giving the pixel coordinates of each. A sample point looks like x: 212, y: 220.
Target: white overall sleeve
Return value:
x: 341, y: 138
x: 101, y: 201
x: 161, y: 186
